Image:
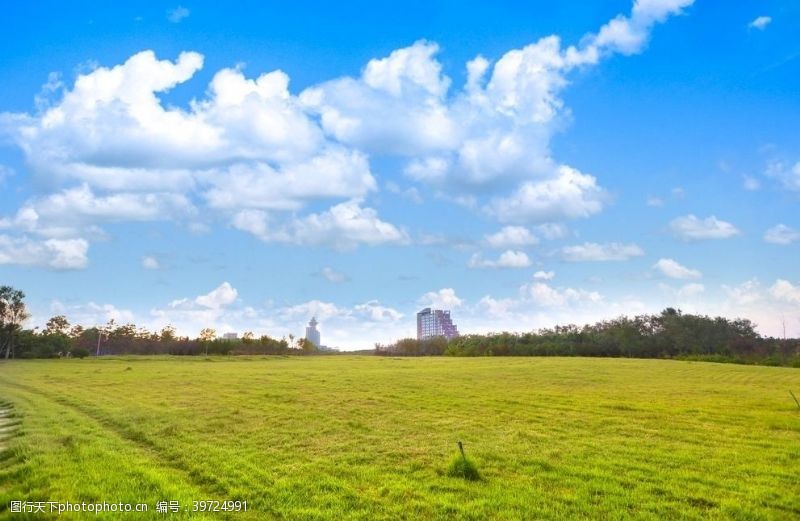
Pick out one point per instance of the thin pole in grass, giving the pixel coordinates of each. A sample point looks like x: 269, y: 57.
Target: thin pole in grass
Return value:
x: 461, y: 445
x: 790, y: 392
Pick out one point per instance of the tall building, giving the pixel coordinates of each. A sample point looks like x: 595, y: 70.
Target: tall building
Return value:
x: 435, y: 322
x: 312, y: 333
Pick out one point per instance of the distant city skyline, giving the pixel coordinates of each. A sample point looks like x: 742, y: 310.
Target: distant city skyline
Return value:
x: 246, y: 168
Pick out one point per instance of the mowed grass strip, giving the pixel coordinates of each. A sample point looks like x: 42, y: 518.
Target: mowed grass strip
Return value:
x: 372, y: 438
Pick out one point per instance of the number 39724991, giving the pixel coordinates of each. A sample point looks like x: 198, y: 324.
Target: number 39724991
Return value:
x: 213, y: 505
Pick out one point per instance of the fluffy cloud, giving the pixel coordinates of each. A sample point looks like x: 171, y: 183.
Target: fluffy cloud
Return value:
x: 760, y: 22
x: 445, y: 298
x: 785, y: 291
x: 781, y: 234
x: 591, y: 251
x: 222, y: 296
x: 343, y: 226
x: 252, y: 151
x: 507, y: 259
x: 510, y: 237
x: 75, y: 211
x: 544, y: 295
x: 673, y: 269
x: 569, y: 195
x: 544, y: 275
x: 57, y: 254
x: 690, y: 228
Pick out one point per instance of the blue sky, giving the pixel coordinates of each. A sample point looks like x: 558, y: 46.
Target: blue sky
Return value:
x: 520, y: 163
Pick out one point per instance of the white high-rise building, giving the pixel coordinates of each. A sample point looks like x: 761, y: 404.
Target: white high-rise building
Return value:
x: 435, y: 322
x: 312, y: 333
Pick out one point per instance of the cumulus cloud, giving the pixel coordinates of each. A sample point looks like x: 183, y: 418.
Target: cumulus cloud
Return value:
x: 253, y: 151
x: 511, y: 237
x: 445, y: 298
x: 343, y: 227
x: 760, y: 22
x: 691, y: 228
x: 673, y: 269
x: 591, y: 251
x: 781, y: 234
x: 545, y: 295
x: 507, y: 259
x: 544, y: 275
x: 222, y: 296
x: 569, y: 195
x: 57, y: 254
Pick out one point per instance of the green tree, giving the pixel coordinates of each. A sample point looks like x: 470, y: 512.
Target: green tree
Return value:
x: 167, y: 334
x: 207, y: 335
x: 12, y: 314
x: 58, y: 325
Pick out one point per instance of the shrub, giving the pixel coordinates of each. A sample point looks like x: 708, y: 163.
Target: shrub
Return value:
x: 80, y: 352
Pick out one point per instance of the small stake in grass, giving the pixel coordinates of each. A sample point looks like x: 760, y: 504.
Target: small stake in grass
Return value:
x: 461, y: 467
x: 793, y: 396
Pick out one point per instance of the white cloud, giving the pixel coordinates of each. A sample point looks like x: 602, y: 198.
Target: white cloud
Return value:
x: 760, y: 22
x: 788, y: 176
x: 591, y: 251
x: 249, y: 146
x: 785, y: 291
x: 690, y: 228
x: 655, y: 202
x: 331, y: 275
x: 673, y: 269
x: 222, y: 296
x: 508, y: 259
x: 73, y: 211
x: 176, y: 15
x: 568, y: 196
x: 781, y: 234
x: 544, y: 275
x: 547, y: 296
x: 510, y: 237
x: 445, y: 298
x: 93, y: 314
x: 150, y: 263
x: 343, y: 226
x: 373, y: 311
x: 628, y: 34
x: 57, y: 254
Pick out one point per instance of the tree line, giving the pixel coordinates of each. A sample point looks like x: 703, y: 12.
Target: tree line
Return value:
x: 59, y: 338
x: 670, y: 334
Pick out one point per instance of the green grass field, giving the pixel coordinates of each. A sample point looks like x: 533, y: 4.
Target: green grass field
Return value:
x: 372, y: 438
